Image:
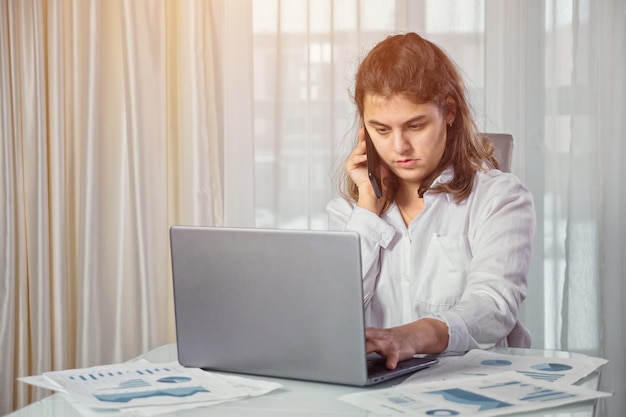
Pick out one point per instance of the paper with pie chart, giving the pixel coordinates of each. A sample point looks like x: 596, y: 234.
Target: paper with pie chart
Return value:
x: 488, y: 395
x: 565, y: 370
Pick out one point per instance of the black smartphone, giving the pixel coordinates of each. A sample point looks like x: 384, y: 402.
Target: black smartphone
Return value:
x: 373, y: 165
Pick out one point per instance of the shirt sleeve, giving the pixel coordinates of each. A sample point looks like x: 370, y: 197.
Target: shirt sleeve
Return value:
x: 501, y: 241
x: 374, y: 234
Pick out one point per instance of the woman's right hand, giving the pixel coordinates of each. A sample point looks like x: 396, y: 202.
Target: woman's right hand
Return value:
x: 356, y: 168
x: 426, y: 335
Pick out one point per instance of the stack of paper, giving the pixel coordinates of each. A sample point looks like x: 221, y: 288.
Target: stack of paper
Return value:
x: 149, y: 388
x: 484, y: 383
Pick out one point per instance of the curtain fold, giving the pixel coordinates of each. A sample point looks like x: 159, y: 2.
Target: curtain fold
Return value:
x: 143, y: 72
x: 606, y: 60
x: 26, y: 220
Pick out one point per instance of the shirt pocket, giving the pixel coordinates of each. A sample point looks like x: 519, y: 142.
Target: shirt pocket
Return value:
x: 443, y: 275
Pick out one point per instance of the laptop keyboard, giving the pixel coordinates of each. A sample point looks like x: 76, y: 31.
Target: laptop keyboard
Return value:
x: 378, y: 365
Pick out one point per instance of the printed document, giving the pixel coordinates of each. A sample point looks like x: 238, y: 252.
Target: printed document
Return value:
x: 146, y: 384
x: 485, y: 383
x: 483, y: 362
x: 490, y: 395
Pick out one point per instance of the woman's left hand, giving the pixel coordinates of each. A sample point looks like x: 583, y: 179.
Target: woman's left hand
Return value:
x: 399, y: 343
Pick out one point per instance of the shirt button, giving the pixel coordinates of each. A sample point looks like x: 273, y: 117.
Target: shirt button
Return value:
x: 385, y: 236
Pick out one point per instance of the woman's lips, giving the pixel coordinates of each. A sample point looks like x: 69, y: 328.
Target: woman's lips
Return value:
x: 406, y: 163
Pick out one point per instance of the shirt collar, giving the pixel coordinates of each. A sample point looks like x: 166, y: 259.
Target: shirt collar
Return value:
x: 446, y: 176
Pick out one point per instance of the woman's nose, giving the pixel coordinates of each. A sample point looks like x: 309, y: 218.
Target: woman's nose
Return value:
x: 400, y: 142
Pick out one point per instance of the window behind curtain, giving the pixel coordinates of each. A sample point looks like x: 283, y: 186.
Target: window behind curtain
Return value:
x: 305, y: 57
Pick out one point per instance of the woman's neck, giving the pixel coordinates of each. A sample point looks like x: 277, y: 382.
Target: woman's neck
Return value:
x: 409, y: 203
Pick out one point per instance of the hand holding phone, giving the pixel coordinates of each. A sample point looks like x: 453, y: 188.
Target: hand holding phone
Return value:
x: 373, y: 165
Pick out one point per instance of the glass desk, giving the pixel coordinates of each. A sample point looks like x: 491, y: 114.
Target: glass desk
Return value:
x: 296, y: 398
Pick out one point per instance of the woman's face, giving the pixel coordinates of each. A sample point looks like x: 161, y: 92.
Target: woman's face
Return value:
x: 410, y: 138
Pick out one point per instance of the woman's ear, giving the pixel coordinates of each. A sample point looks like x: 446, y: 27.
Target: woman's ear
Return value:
x: 449, y: 108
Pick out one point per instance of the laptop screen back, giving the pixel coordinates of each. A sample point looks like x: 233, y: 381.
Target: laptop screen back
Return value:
x: 284, y: 303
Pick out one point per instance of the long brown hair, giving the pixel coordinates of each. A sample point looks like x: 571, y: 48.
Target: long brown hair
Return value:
x: 418, y: 70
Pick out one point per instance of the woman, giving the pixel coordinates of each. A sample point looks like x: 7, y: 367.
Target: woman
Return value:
x: 446, y: 249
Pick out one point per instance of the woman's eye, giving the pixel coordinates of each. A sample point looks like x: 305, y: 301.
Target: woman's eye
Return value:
x: 382, y: 131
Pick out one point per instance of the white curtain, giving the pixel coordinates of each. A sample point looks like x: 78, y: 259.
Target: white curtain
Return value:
x: 109, y: 128
x: 550, y: 72
x: 120, y: 118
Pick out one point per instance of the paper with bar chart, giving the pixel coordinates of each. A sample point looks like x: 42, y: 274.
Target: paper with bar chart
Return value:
x: 141, y: 384
x: 488, y: 395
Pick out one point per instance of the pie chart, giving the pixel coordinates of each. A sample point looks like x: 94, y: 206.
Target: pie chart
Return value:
x: 551, y: 367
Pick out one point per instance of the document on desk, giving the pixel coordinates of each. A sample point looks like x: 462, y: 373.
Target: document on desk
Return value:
x: 146, y: 384
x: 490, y: 395
x: 483, y: 362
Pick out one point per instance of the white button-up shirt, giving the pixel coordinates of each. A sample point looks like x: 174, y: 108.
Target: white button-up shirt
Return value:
x: 465, y: 264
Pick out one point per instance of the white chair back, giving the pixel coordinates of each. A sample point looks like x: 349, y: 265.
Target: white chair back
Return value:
x: 503, y: 149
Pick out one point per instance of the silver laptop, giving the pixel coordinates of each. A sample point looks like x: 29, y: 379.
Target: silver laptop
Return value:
x: 278, y: 303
